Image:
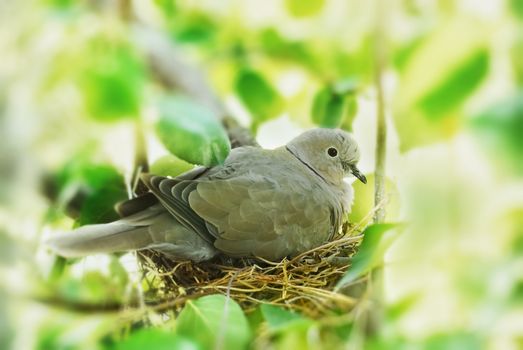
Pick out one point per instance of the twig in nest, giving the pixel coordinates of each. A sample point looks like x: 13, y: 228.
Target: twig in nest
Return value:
x: 304, y: 283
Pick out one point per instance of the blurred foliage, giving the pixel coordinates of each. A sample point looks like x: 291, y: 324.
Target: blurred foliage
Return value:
x: 370, y: 253
x: 499, y: 130
x: 429, y: 100
x: 284, y: 328
x: 364, y: 201
x: 112, y: 82
x: 74, y: 71
x: 335, y: 105
x: 517, y: 62
x: 260, y: 98
x: 87, y: 191
x: 169, y: 165
x: 214, y: 320
x: 6, y: 331
x: 191, y: 132
x: 517, y: 7
x: 304, y: 8
x: 278, y: 46
x: 279, y: 319
x: 61, y: 331
x: 155, y: 339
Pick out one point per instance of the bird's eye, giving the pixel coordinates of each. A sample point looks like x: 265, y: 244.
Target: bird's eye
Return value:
x: 333, y: 152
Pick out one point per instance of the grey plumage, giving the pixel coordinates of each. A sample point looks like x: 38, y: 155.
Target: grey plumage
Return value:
x: 266, y: 203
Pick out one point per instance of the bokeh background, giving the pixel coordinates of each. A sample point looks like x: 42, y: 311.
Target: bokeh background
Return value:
x: 85, y: 84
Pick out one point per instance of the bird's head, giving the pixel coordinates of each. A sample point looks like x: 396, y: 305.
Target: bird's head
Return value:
x: 332, y: 153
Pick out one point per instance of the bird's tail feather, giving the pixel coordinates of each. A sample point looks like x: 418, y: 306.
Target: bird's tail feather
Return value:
x: 102, y: 238
x: 130, y: 233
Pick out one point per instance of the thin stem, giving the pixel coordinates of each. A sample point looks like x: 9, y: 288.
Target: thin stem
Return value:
x: 381, y: 130
x: 141, y: 162
x: 375, y: 315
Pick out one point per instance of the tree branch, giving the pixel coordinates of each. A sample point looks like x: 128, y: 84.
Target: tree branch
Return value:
x: 114, y: 306
x: 175, y: 74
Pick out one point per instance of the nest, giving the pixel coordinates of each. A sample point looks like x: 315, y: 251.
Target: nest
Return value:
x: 304, y: 283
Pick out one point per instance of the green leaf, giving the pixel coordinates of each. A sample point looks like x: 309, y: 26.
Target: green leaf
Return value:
x: 517, y: 63
x: 168, y: 7
x: 304, y: 8
x: 89, y: 191
x: 516, y: 296
x: 214, y: 321
x: 255, y: 319
x: 351, y: 110
x: 290, y: 327
x: 98, y: 207
x: 194, y: 27
x: 335, y: 104
x: 192, y: 132
x: 402, y: 306
x: 279, y: 319
x: 517, y: 8
x: 446, y: 50
x: 455, y: 340
x: 403, y: 54
x: 327, y: 108
x: 260, y: 98
x: 430, y: 101
x: 106, y: 188
x: 169, y: 165
x: 112, y: 81
x: 156, y: 339
x: 458, y: 85
x: 274, y: 44
x: 499, y: 129
x: 60, y: 4
x: 370, y: 252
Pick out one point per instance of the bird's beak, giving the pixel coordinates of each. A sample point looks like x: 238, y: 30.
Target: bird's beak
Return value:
x: 359, y: 175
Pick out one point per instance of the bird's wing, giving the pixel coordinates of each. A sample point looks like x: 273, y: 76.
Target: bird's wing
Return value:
x: 135, y: 205
x: 173, y: 195
x: 264, y: 216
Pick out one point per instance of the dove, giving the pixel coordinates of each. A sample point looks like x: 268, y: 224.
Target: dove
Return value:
x: 261, y: 203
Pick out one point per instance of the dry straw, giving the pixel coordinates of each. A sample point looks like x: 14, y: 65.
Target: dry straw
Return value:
x: 304, y: 283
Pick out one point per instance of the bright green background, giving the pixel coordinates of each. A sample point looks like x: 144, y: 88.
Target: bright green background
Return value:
x: 76, y: 84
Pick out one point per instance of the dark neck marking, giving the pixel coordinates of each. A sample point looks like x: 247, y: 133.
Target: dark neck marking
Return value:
x: 304, y: 163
